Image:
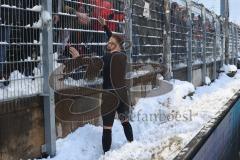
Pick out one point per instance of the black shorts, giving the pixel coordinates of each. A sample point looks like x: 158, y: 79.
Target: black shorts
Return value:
x: 122, y: 107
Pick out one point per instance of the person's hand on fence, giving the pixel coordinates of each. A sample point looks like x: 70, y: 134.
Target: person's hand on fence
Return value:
x: 83, y: 18
x: 102, y: 21
x: 56, y: 19
x: 73, y: 51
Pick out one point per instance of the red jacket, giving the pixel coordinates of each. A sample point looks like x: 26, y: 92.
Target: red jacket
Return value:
x: 103, y: 8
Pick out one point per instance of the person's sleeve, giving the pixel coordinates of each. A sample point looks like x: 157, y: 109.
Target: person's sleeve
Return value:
x: 107, y: 31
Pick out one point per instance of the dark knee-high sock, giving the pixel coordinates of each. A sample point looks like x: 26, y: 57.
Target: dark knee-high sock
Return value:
x: 128, y: 131
x: 106, y: 139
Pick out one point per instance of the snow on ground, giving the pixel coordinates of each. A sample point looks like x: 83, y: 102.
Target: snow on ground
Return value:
x: 162, y: 125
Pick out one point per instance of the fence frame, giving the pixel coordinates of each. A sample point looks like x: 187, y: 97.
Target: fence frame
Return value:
x: 215, y: 48
x: 204, y: 65
x: 189, y: 41
x: 167, y: 55
x: 49, y: 147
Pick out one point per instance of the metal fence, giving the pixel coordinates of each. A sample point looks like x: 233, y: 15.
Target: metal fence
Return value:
x: 179, y: 28
x: 20, y: 46
x: 30, y: 46
x: 147, y: 30
x: 87, y: 39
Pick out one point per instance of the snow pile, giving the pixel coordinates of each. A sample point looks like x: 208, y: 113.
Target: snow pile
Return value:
x: 229, y: 68
x: 197, y: 61
x: 46, y: 17
x: 162, y: 125
x: 36, y: 8
x: 5, y: 5
x: 21, y: 85
x: 3, y: 42
x: 136, y: 74
x: 181, y: 65
x: 37, y: 24
x: 82, y: 82
x: 55, y: 58
x: 207, y: 80
x: 28, y: 26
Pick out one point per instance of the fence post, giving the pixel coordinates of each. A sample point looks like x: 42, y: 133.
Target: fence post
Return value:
x: 204, y: 66
x: 225, y: 14
x: 222, y: 43
x: 226, y: 33
x: 189, y: 41
x: 167, y: 56
x: 215, y: 49
x: 128, y: 27
x: 48, y: 94
x: 237, y: 45
x: 232, y: 34
x: 129, y: 36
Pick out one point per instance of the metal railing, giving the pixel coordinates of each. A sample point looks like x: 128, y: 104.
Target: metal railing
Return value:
x: 37, y: 39
x: 21, y: 47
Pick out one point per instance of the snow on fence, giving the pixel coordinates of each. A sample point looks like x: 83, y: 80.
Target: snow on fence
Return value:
x: 20, y: 48
x: 196, y: 36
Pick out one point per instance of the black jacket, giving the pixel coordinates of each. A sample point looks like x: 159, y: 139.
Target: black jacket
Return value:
x: 114, y: 68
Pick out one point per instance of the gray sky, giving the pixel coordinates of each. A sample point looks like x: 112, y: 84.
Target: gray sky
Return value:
x: 233, y: 4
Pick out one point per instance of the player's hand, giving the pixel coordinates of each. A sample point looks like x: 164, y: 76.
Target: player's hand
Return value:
x: 102, y: 21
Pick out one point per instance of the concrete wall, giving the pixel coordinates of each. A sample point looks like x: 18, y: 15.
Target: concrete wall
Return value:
x: 181, y: 74
x: 21, y: 128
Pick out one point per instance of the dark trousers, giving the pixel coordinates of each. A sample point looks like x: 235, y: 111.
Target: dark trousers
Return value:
x: 122, y: 108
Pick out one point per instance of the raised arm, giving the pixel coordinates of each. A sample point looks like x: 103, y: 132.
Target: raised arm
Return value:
x: 102, y: 21
x: 108, y: 31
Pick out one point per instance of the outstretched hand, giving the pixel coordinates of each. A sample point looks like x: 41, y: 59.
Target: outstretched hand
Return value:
x: 102, y: 21
x: 83, y: 18
x: 74, y: 52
